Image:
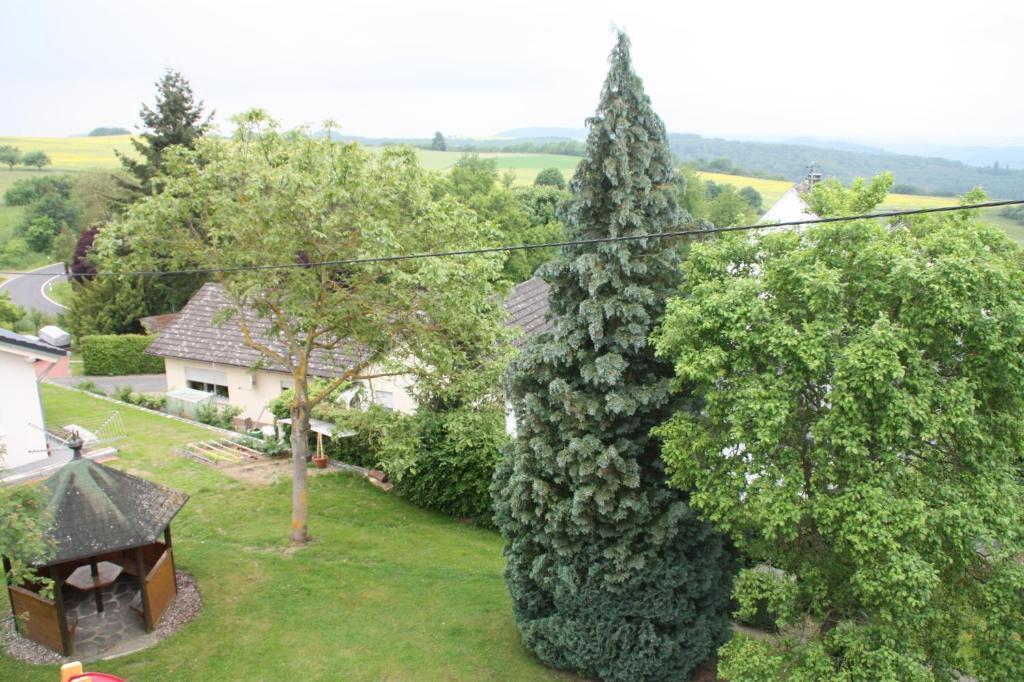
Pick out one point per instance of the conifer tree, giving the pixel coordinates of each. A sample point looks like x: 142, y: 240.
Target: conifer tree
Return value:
x: 176, y: 119
x: 610, y: 573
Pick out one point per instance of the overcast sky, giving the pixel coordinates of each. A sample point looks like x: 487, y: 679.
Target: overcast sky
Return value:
x: 934, y: 71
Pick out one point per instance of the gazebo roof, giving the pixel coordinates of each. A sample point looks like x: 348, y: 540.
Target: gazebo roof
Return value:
x: 97, y: 509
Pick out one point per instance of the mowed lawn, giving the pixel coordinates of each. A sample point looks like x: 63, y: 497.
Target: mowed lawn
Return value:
x: 385, y: 590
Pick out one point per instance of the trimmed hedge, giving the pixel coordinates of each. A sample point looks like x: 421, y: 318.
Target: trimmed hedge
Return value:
x: 116, y: 354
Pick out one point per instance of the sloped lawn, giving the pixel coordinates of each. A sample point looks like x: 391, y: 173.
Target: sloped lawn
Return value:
x: 385, y: 591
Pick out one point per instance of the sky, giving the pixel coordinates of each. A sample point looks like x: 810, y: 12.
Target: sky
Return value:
x: 938, y: 71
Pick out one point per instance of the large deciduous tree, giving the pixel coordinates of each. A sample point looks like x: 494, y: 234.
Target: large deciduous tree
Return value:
x: 860, y: 436
x: 609, y: 571
x: 290, y: 199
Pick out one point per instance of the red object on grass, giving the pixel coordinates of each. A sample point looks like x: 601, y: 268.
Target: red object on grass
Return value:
x: 97, y: 677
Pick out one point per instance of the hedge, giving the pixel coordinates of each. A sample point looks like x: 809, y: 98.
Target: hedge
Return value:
x: 116, y: 354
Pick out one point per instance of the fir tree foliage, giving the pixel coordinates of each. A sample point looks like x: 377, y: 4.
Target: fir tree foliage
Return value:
x: 610, y: 573
x: 176, y: 119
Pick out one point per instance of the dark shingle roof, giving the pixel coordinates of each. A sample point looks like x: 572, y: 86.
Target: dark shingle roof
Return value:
x: 24, y: 343
x: 194, y: 335
x: 96, y: 509
x: 528, y: 307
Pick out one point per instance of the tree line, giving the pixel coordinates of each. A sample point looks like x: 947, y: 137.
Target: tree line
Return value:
x: 12, y: 156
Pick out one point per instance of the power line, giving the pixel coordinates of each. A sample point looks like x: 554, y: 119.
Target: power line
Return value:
x: 541, y: 245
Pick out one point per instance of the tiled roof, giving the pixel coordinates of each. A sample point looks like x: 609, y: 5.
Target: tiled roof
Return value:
x: 527, y: 306
x: 195, y: 335
x: 29, y: 345
x: 156, y: 324
x: 97, y: 509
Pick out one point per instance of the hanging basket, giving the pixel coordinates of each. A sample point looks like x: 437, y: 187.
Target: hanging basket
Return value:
x: 320, y: 458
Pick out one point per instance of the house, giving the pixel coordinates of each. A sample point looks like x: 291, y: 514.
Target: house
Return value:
x: 204, y: 353
x: 791, y: 206
x: 22, y: 429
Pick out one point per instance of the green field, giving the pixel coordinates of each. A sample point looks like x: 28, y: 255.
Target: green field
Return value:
x: 72, y: 154
x: 384, y: 591
x: 75, y: 153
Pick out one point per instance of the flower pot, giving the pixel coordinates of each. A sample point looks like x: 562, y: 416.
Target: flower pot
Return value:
x: 320, y: 462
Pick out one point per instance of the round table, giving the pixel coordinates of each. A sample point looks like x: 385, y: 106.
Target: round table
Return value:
x: 94, y: 576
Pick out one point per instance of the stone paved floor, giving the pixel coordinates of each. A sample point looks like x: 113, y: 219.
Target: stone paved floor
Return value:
x: 99, y: 632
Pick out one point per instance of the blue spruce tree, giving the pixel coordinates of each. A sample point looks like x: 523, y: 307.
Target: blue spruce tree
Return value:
x: 610, y: 572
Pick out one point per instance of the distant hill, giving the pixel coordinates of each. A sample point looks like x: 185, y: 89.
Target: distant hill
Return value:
x: 930, y: 175
x: 977, y: 155
x: 105, y: 132
x: 841, y: 145
x: 544, y: 133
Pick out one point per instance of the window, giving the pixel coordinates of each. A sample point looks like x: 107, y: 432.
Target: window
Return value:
x: 384, y: 399
x: 210, y: 381
x: 217, y: 389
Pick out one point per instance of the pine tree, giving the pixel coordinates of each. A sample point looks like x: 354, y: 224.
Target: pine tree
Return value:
x: 610, y: 573
x: 177, y: 119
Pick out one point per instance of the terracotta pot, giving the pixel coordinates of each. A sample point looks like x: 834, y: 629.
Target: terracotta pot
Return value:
x: 320, y: 462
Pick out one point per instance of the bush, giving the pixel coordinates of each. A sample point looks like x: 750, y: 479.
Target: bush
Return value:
x: 116, y: 354
x: 454, y: 461
x: 151, y: 401
x: 221, y: 416
x: 550, y: 177
x: 91, y: 387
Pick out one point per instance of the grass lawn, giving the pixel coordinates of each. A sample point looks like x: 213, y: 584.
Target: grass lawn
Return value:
x: 386, y: 590
x: 60, y: 291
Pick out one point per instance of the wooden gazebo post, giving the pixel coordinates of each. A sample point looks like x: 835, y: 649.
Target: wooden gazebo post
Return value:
x: 62, y: 617
x: 140, y: 567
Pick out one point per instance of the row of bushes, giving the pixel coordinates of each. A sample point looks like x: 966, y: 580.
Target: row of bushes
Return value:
x: 151, y: 401
x: 117, y: 354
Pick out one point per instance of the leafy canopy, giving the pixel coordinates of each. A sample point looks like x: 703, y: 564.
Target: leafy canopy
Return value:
x: 860, y: 436
x: 287, y: 198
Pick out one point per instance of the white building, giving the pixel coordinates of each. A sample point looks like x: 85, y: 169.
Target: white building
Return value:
x: 202, y: 353
x: 22, y: 430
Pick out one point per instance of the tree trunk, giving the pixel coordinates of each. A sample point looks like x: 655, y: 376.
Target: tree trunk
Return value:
x: 300, y: 481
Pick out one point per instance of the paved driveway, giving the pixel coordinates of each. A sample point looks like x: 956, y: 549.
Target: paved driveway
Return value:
x: 27, y: 290
x: 140, y: 383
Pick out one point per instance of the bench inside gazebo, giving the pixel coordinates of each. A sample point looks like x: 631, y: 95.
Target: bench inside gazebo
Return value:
x: 113, y: 565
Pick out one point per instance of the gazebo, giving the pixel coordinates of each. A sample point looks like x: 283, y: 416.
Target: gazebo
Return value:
x: 107, y: 527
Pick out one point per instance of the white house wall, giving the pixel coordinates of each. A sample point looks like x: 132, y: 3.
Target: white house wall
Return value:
x: 21, y: 413
x: 251, y: 391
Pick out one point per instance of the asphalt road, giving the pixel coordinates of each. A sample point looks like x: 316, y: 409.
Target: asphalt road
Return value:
x: 27, y: 290
x: 141, y: 383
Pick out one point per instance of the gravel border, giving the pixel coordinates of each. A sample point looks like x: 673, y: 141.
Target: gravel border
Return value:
x: 185, y: 607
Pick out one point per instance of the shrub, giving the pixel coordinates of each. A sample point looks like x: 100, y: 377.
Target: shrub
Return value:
x: 221, y: 416
x: 116, y: 354
x: 454, y: 461
x: 550, y: 177
x: 123, y: 393
x: 91, y: 387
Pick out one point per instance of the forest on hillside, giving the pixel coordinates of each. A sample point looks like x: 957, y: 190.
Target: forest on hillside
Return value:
x: 929, y: 175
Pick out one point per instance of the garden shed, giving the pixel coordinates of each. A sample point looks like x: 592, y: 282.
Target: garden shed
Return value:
x: 112, y: 563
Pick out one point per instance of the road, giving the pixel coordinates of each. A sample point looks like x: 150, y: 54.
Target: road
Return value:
x: 140, y: 383
x: 27, y: 290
